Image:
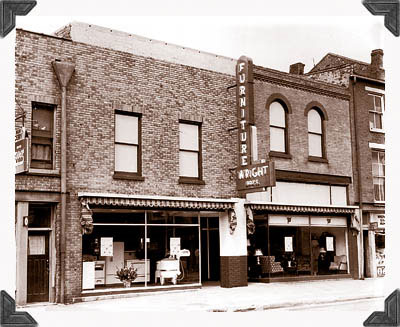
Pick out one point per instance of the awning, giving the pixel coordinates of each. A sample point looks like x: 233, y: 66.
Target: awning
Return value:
x: 300, y: 208
x: 148, y: 201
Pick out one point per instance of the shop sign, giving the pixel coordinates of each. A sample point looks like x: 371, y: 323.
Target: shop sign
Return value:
x: 249, y: 176
x: 245, y: 107
x: 175, y: 245
x: 21, y: 155
x: 256, y: 176
x: 329, y: 243
x: 381, y: 221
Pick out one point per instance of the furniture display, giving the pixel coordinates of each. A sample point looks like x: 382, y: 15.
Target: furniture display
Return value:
x: 167, y: 268
x: 114, y: 263
x: 99, y: 272
x: 339, y: 264
x: 88, y: 275
x: 268, y: 265
x: 141, y: 267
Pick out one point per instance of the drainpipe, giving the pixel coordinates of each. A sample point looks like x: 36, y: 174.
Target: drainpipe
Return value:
x: 360, y: 201
x: 64, y: 72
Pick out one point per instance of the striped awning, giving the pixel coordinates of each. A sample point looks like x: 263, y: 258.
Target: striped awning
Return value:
x: 301, y: 208
x: 145, y: 201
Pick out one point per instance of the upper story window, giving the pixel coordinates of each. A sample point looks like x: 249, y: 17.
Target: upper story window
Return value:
x: 42, y: 142
x: 376, y: 112
x: 378, y: 174
x: 190, y: 152
x: 127, y: 143
x: 315, y: 134
x: 278, y: 128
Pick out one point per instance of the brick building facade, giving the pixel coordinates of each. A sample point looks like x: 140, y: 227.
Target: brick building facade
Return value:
x: 180, y: 104
x: 366, y: 84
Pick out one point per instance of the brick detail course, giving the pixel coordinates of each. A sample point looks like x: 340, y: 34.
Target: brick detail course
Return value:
x: 233, y: 270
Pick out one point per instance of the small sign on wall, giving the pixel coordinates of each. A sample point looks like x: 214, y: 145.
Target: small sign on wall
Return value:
x: 175, y: 245
x: 329, y: 243
x: 106, y: 247
x: 288, y: 244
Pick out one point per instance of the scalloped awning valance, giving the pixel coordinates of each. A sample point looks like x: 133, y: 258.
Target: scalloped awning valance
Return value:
x: 302, y: 208
x: 144, y: 201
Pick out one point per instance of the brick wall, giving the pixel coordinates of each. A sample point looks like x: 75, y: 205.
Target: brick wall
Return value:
x: 233, y: 271
x: 162, y: 91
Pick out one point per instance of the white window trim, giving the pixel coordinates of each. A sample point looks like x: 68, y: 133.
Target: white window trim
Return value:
x: 376, y: 146
x: 373, y: 89
x: 378, y: 130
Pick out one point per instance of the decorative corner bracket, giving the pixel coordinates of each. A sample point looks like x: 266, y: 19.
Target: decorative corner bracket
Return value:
x: 391, y: 315
x: 11, y: 8
x: 388, y: 8
x: 8, y: 315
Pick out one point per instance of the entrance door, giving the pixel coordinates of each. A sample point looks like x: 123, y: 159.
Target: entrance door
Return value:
x: 210, y: 255
x: 38, y: 267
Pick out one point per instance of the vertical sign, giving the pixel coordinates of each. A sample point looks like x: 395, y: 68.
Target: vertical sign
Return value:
x: 174, y: 245
x: 250, y: 176
x: 329, y: 243
x: 245, y: 107
x: 21, y: 151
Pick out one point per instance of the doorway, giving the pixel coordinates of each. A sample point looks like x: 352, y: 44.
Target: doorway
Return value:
x: 38, y: 267
x: 210, y: 255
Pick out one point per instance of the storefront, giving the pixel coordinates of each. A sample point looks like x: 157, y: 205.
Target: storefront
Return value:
x: 167, y: 242
x: 298, y: 242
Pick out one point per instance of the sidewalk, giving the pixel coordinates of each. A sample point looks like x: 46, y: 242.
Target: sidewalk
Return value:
x: 256, y: 296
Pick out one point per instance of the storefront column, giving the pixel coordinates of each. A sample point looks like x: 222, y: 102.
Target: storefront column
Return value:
x: 371, y: 255
x: 233, y: 247
x: 21, y: 237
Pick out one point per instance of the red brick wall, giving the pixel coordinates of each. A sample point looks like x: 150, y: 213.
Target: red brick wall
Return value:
x: 233, y: 271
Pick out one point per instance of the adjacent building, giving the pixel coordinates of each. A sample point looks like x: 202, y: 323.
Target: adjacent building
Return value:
x: 129, y: 152
x: 366, y: 84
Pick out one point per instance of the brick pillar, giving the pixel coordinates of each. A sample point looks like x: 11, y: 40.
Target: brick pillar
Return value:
x: 233, y: 247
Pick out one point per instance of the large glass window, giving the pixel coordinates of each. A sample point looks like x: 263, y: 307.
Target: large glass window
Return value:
x: 278, y: 129
x: 378, y: 173
x: 315, y: 134
x: 376, y: 112
x: 127, y: 143
x: 291, y: 246
x: 189, y: 150
x: 42, y: 136
x: 162, y: 246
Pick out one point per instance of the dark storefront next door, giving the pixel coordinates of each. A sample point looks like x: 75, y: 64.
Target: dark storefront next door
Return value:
x: 38, y: 267
x: 210, y: 255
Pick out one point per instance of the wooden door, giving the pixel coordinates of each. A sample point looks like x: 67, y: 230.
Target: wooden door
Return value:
x: 38, y: 267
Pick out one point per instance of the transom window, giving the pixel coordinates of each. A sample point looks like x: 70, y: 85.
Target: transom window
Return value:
x: 127, y: 143
x: 378, y: 173
x: 189, y: 150
x: 376, y: 112
x: 42, y: 142
x: 278, y: 129
x: 315, y: 134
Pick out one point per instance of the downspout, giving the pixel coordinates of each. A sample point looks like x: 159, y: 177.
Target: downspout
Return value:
x: 64, y: 72
x: 360, y: 201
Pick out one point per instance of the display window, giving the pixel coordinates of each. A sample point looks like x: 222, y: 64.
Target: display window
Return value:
x: 380, y: 253
x: 137, y: 249
x: 286, y: 246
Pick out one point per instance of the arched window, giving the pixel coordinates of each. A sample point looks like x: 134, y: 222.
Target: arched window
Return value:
x: 315, y: 134
x: 277, y: 127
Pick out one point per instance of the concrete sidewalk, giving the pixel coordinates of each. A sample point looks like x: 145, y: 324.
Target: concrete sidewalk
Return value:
x: 256, y: 296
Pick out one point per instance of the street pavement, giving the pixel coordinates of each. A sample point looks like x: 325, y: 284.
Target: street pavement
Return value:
x: 256, y: 297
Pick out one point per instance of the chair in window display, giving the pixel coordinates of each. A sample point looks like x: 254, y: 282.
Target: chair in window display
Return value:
x: 269, y: 265
x: 339, y: 264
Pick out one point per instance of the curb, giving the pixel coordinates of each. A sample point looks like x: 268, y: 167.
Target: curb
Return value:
x: 293, y: 304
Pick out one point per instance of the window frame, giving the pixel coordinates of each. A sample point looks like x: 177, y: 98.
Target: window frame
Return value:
x: 274, y: 153
x: 127, y: 174
x: 375, y: 112
x: 323, y: 118
x: 187, y: 179
x: 41, y: 137
x: 380, y: 177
